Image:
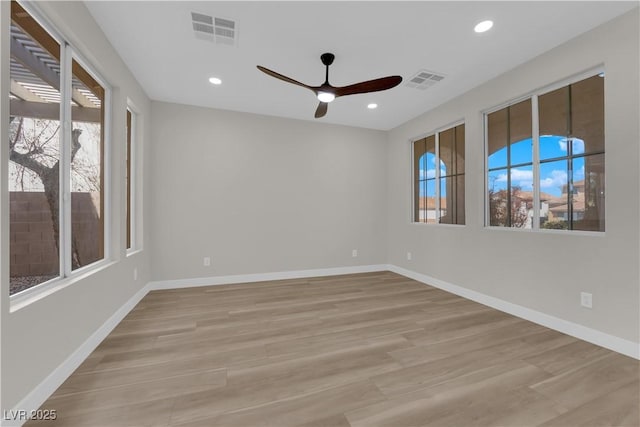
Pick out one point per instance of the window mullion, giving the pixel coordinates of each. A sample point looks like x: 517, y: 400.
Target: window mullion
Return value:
x: 508, y: 142
x: 437, y: 150
x: 487, y: 201
x: 65, y: 159
x: 535, y: 221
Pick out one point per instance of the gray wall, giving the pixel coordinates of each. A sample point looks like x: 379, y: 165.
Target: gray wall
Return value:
x: 541, y: 271
x: 37, y: 338
x: 260, y: 194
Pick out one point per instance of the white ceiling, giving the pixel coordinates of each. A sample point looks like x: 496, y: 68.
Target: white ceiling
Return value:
x: 369, y: 39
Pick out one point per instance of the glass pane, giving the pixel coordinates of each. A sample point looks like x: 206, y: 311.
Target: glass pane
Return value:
x: 521, y: 150
x: 419, y: 149
x: 553, y: 146
x: 587, y: 115
x: 447, y: 152
x: 497, y: 138
x: 459, y: 150
x: 416, y: 201
x: 87, y: 206
x: 522, y: 178
x: 429, y: 165
x: 128, y: 178
x: 498, y: 198
x: 452, y: 200
x: 554, y: 197
x: 422, y: 200
x: 588, y: 193
x: 459, y: 200
x: 521, y: 194
x: 34, y: 152
x: 445, y: 192
x: 553, y: 118
x: 520, y: 121
x: 430, y: 201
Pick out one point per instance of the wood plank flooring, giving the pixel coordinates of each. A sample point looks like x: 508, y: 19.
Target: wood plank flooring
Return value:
x: 373, y: 349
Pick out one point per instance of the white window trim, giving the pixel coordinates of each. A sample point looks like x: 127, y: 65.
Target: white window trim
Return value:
x: 133, y: 203
x: 436, y: 134
x: 66, y: 276
x: 535, y: 139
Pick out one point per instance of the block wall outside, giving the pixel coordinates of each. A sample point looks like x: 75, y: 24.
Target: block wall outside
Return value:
x: 33, y: 248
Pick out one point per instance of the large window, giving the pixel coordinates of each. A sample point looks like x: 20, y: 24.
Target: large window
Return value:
x: 56, y: 173
x: 545, y: 160
x: 438, y: 170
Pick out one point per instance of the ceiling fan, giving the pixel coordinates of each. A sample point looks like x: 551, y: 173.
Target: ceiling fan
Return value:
x: 327, y: 93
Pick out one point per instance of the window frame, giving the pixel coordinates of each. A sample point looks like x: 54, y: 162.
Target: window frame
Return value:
x: 131, y: 196
x: 535, y: 140
x: 412, y: 141
x: 66, y: 276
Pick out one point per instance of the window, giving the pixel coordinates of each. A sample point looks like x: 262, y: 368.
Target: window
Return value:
x: 549, y: 176
x: 130, y: 201
x: 56, y: 174
x: 438, y: 170
x: 510, y: 164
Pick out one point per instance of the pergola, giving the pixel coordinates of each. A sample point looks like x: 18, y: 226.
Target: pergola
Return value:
x: 35, y: 75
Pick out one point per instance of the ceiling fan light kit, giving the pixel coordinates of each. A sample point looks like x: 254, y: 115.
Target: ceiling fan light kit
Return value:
x: 327, y: 93
x: 326, y: 96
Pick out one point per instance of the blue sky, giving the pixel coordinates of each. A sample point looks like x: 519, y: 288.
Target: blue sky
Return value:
x: 553, y: 175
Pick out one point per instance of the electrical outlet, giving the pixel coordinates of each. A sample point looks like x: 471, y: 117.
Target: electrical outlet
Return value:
x: 586, y: 299
x: 135, y: 273
x: 354, y: 253
x: 207, y: 261
x: 409, y: 256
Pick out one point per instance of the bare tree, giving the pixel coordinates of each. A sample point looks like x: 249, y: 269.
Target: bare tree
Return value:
x: 37, y: 150
x: 509, y: 209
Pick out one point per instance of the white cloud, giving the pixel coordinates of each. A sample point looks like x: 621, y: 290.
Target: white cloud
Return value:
x: 428, y: 174
x: 521, y: 175
x: 520, y: 178
x: 577, y: 145
x: 556, y: 178
x: 563, y: 144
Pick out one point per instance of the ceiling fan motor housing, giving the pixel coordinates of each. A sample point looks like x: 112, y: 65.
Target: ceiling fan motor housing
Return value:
x: 327, y: 58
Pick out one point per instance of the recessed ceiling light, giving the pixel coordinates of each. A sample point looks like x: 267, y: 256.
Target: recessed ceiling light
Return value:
x: 215, y: 81
x: 372, y: 106
x: 483, y: 26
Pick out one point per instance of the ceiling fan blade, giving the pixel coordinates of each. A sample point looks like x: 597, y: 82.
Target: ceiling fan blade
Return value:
x: 283, y: 78
x: 321, y: 110
x: 375, y: 85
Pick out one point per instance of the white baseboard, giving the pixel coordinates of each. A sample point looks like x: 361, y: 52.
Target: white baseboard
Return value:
x: 617, y: 344
x: 263, y: 277
x: 45, y: 389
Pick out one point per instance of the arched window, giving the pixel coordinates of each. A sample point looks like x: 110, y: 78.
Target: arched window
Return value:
x: 439, y: 177
x: 554, y: 181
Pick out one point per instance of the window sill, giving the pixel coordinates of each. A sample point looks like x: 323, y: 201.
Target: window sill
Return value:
x: 133, y: 251
x: 547, y: 231
x: 445, y: 225
x: 38, y: 292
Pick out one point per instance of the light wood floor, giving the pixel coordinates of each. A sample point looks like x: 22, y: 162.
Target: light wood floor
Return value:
x: 356, y: 350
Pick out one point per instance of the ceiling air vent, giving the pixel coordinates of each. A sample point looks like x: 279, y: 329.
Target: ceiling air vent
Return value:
x: 424, y: 79
x: 218, y: 30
